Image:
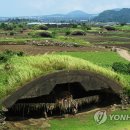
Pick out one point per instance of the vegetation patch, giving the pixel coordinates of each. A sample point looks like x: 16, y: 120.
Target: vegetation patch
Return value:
x: 110, y: 28
x: 86, y: 122
x: 5, y: 56
x: 41, y: 27
x: 78, y: 32
x: 27, y: 68
x: 72, y: 40
x: 121, y: 67
x: 123, y: 28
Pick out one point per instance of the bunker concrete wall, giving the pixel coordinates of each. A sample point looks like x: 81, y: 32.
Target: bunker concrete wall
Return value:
x: 45, y: 84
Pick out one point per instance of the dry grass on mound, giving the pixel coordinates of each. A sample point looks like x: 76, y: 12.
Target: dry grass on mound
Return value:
x: 24, y: 69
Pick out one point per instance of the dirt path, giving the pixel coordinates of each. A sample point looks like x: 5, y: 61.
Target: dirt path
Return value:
x: 123, y: 53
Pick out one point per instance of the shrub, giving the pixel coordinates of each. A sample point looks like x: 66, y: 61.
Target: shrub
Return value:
x: 5, y: 56
x: 29, y: 34
x: 12, y: 33
x: 101, y: 26
x: 120, y: 67
x: 85, y: 26
x: 88, y: 28
x: 6, y: 26
x: 74, y: 25
x: 78, y: 32
x: 123, y: 24
x: 53, y: 34
x: 128, y: 66
x: 67, y: 33
x: 42, y: 27
x: 20, y: 53
x: 9, y: 53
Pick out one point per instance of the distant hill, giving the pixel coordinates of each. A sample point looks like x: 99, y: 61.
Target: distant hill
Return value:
x: 78, y: 13
x: 115, y: 15
x: 72, y: 16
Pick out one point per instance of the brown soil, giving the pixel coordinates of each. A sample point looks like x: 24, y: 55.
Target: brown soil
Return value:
x: 34, y: 50
x: 29, y: 124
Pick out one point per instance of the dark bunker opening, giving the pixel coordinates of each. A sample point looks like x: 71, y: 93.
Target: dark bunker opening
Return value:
x: 35, y: 107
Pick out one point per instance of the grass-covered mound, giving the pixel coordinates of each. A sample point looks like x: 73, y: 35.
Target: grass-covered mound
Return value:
x: 42, y: 33
x: 20, y: 70
x: 78, y: 32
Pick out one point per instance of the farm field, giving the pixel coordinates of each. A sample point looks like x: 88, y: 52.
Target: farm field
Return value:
x: 35, y: 50
x: 104, y: 58
x: 25, y: 34
x: 88, y: 51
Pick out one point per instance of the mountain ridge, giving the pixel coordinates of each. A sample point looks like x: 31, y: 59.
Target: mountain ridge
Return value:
x: 120, y: 15
x: 117, y: 15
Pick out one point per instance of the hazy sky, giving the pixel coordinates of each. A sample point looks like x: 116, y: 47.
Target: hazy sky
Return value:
x: 41, y: 7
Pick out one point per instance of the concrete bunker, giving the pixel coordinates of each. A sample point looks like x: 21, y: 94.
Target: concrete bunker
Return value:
x: 63, y: 92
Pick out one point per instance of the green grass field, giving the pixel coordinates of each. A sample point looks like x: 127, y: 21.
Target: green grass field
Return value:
x: 125, y: 27
x: 87, y: 122
x: 105, y: 59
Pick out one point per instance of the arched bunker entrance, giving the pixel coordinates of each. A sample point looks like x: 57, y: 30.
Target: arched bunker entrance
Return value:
x: 86, y: 89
